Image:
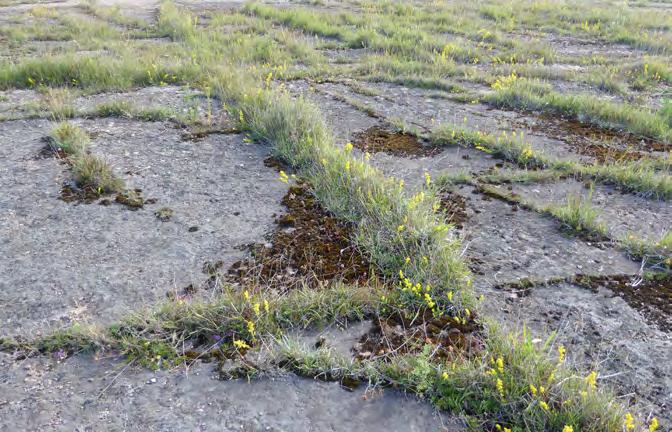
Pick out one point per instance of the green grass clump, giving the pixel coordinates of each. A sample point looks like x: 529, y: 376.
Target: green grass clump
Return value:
x: 391, y: 226
x: 117, y: 108
x: 511, y: 147
x: 648, y: 177
x: 641, y: 177
x: 579, y: 215
x: 59, y: 103
x: 70, y: 138
x: 92, y: 172
x: 656, y: 253
x: 174, y: 23
x: 525, y: 95
x: 528, y: 389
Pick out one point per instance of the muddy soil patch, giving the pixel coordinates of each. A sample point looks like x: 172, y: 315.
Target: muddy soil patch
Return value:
x: 454, y: 206
x: 377, y: 139
x: 396, y: 334
x: 308, y: 246
x: 651, y: 296
x: 603, y: 145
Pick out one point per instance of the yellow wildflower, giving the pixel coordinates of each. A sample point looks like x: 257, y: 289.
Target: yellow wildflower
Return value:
x: 533, y: 389
x: 283, y: 177
x: 256, y: 308
x: 367, y: 156
x: 240, y: 344
x: 561, y: 353
x: 348, y: 147
x: 500, y: 364
x: 629, y: 422
x: 543, y: 405
x: 250, y: 327
x: 428, y: 179
x: 653, y: 426
x: 500, y: 387
x: 591, y: 379
x: 266, y: 306
x: 400, y: 228
x: 246, y: 295
x: 568, y: 428
x: 444, y: 376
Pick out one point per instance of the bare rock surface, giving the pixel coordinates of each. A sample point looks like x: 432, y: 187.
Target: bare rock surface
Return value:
x: 71, y: 261
x: 104, y: 394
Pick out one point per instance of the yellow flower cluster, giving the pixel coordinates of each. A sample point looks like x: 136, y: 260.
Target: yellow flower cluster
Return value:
x: 415, y: 200
x: 591, y: 380
x: 417, y: 290
x: 500, y: 387
x: 240, y: 344
x: 505, y: 82
x: 629, y: 422
x: 561, y: 353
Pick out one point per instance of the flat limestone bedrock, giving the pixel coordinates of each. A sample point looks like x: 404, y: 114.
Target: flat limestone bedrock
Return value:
x: 66, y: 261
x: 82, y: 393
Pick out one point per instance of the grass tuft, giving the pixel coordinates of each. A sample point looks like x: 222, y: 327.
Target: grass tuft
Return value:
x: 93, y: 172
x: 579, y: 215
x: 69, y: 138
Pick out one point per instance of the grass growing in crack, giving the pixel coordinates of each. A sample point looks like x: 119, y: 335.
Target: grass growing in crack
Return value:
x: 69, y: 138
x: 647, y: 177
x: 511, y: 147
x: 246, y: 316
x: 59, y: 103
x: 396, y: 231
x: 655, y: 253
x: 579, y: 215
x: 95, y: 173
x: 521, y: 176
x: 125, y: 109
x: 641, y: 177
x: 514, y: 377
x: 526, y: 95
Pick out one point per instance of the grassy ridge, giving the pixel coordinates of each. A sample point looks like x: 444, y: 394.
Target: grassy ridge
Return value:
x: 351, y: 189
x: 525, y: 95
